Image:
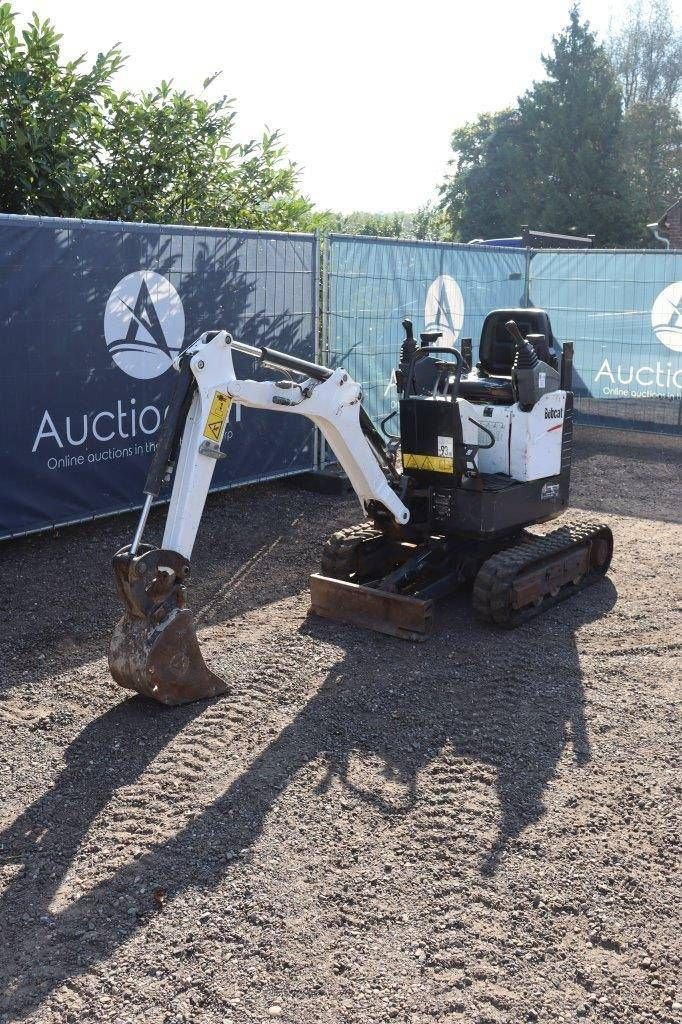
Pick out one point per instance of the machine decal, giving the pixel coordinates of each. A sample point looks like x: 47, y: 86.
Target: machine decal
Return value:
x: 430, y: 463
x: 549, y: 492
x: 558, y: 426
x: 217, y: 416
x: 446, y: 447
x: 144, y: 324
x: 442, y: 505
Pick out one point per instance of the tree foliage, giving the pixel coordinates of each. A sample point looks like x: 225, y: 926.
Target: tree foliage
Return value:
x: 567, y: 157
x: 652, y: 159
x: 50, y: 119
x: 647, y: 54
x: 428, y: 222
x: 555, y: 160
x: 70, y: 145
x: 170, y: 157
x: 486, y: 196
x: 361, y: 222
x: 574, y: 120
x: 594, y: 147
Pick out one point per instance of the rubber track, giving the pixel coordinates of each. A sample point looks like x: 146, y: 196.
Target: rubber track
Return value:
x: 339, y: 553
x: 495, y: 579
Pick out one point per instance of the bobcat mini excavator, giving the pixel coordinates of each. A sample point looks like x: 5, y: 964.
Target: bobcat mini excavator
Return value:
x: 478, y: 455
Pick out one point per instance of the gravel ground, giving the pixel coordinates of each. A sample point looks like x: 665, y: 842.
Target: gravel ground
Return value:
x: 482, y: 828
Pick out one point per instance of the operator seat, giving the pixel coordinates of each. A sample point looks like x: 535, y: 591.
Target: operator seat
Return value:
x: 497, y: 350
x: 491, y: 384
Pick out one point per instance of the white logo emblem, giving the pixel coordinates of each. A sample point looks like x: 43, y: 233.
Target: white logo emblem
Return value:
x: 444, y: 309
x: 144, y: 324
x: 666, y: 316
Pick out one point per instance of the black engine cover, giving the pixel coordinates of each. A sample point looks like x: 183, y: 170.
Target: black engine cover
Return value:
x: 431, y: 440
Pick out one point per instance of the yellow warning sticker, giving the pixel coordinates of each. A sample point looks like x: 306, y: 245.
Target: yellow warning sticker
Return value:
x: 217, y: 415
x: 429, y: 463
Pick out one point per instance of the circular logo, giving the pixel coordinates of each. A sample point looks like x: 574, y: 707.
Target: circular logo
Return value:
x: 666, y: 316
x: 144, y: 324
x: 444, y: 309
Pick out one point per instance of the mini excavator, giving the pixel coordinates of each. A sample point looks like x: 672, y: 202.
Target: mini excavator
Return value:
x: 478, y: 455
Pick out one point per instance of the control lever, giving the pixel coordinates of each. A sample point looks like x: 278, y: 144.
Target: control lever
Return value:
x: 513, y: 330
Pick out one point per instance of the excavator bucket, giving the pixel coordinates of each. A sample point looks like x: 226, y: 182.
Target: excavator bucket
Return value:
x: 154, y: 649
x: 409, y: 618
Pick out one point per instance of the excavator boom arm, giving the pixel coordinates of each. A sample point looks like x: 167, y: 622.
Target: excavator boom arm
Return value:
x: 154, y: 649
x: 332, y: 404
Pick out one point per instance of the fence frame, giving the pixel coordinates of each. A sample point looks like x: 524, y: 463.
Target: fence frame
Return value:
x: 585, y: 417
x: 321, y: 312
x: 72, y: 223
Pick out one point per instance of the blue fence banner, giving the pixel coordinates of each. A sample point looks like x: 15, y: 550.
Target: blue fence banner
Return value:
x: 92, y: 315
x: 373, y: 284
x: 623, y: 312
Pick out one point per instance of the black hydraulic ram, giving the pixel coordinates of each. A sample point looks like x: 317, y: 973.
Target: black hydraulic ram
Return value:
x: 161, y: 468
x: 283, y: 361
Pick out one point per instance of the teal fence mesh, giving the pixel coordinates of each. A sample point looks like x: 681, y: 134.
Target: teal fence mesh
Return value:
x: 373, y: 284
x: 623, y: 312
x: 621, y: 309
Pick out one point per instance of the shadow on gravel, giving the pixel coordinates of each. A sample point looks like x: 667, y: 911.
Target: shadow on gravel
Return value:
x: 503, y: 709
x: 44, y: 636
x: 496, y: 702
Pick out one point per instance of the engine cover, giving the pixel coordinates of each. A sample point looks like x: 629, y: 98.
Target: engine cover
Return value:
x: 435, y: 434
x: 431, y: 438
x: 536, y: 438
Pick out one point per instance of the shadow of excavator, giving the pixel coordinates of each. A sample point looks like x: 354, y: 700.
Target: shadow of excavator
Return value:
x: 504, y: 707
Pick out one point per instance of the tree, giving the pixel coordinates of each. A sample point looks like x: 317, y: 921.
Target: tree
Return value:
x: 428, y: 222
x: 575, y: 119
x: 50, y: 116
x: 555, y: 161
x: 651, y: 159
x: 647, y: 54
x: 71, y: 146
x: 360, y: 222
x: 169, y: 157
x: 647, y: 57
x: 487, y: 195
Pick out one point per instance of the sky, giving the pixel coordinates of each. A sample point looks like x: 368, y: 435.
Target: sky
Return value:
x: 365, y: 93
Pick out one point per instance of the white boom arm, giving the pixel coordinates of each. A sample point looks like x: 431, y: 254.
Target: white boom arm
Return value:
x: 333, y: 405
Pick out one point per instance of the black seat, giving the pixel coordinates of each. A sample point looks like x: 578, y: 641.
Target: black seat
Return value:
x: 497, y: 350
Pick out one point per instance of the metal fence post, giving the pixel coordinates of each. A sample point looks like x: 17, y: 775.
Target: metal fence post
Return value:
x: 526, y: 283
x: 323, y: 338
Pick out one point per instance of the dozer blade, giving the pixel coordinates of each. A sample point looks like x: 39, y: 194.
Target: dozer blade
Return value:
x: 154, y: 649
x: 409, y: 618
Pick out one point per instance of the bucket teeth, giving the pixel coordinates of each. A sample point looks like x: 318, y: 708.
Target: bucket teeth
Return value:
x: 154, y: 649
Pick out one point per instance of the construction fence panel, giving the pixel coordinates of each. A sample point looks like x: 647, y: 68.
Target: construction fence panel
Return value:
x: 623, y: 312
x: 92, y: 315
x: 372, y: 284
